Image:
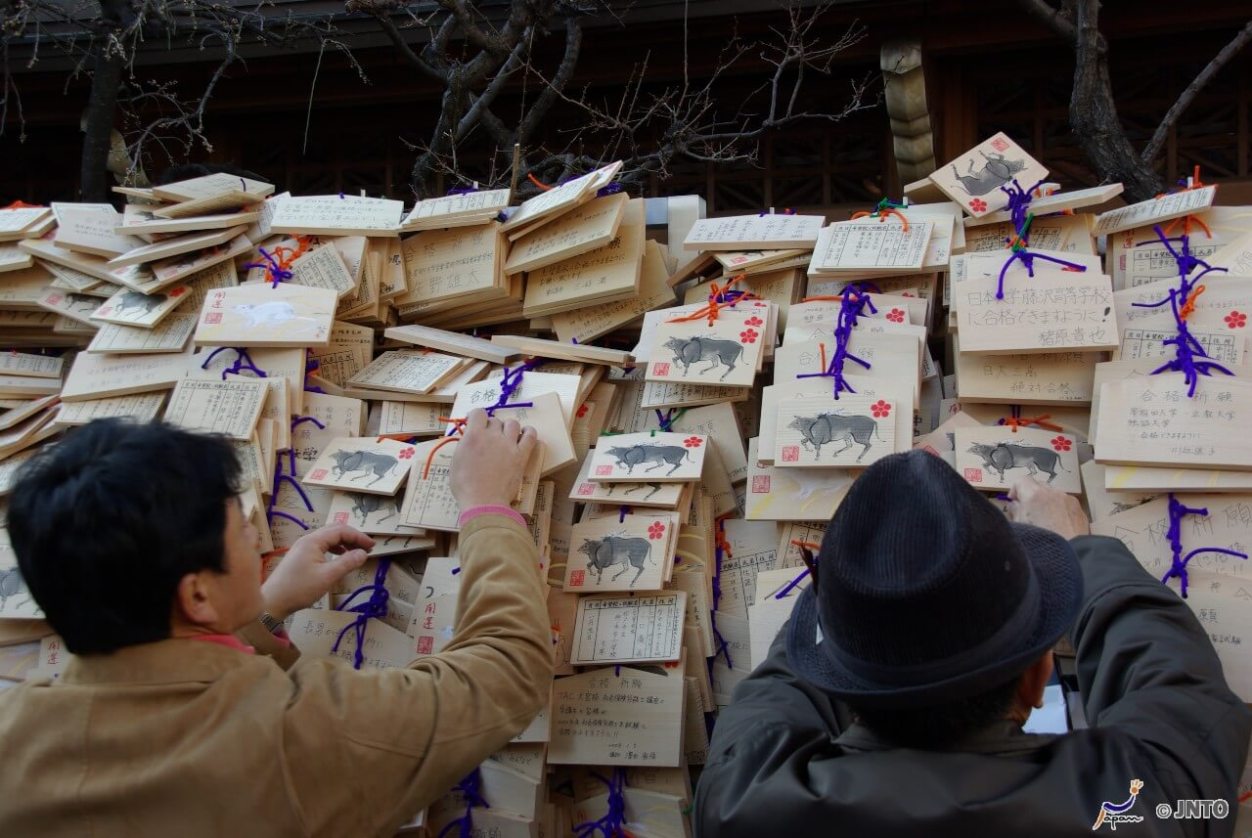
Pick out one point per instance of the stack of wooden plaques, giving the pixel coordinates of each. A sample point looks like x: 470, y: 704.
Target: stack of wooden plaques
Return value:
x: 705, y: 395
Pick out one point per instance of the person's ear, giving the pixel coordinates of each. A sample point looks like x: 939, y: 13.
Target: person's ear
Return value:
x: 195, y: 601
x: 1034, y: 680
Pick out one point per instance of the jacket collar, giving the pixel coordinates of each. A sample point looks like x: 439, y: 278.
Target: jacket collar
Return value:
x: 163, y: 662
x: 1003, y: 738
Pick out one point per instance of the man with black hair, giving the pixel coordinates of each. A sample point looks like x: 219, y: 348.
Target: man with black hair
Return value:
x: 892, y: 703
x: 132, y: 540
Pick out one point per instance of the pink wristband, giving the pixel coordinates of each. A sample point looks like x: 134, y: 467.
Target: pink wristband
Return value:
x: 474, y: 511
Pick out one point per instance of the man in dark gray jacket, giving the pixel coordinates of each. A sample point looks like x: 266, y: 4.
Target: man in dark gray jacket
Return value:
x: 893, y: 701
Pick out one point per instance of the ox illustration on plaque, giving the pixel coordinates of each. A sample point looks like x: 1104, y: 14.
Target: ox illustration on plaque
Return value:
x: 726, y: 351
x: 974, y: 179
x: 621, y: 552
x: 645, y: 458
x: 819, y: 433
x: 996, y: 457
x: 376, y: 467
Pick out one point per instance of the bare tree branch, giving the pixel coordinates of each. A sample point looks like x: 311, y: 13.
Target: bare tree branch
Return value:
x: 1052, y: 17
x: 1184, y: 100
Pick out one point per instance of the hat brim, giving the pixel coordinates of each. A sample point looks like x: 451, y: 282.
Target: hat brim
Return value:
x: 1056, y: 570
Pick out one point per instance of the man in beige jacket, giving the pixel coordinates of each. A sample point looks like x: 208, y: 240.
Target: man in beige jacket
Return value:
x: 131, y: 539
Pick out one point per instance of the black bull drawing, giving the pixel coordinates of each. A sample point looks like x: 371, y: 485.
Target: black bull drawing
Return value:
x: 1008, y: 455
x: 611, y: 550
x: 696, y: 349
x: 380, y: 465
x: 816, y: 431
x: 672, y: 455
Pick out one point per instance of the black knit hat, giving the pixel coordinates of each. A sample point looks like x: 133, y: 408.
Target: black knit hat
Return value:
x: 926, y: 593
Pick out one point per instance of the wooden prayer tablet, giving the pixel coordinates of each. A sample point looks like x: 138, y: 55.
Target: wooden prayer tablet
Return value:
x: 1235, y: 257
x: 855, y: 431
x: 142, y: 221
x: 177, y: 246
x: 792, y: 494
x: 22, y: 290
x: 144, y: 311
x: 1151, y: 421
x: 229, y: 407
x: 13, y: 258
x: 1053, y: 311
x: 18, y: 415
x: 648, y: 719
x: 171, y: 335
x: 1225, y: 297
x: 995, y: 458
x: 75, y: 306
x: 630, y: 554
x: 974, y: 179
x: 1227, y: 347
x: 727, y: 353
x: 583, y: 325
x: 337, y: 215
x: 25, y: 386
x: 317, y: 630
x: 209, y: 186
x: 746, y: 260
x: 142, y: 407
x: 544, y: 415
x: 454, y: 342
x: 550, y: 204
x: 88, y: 228
x: 871, y: 245
x: 540, y: 348
x: 605, y: 274
x: 428, y: 500
x: 1056, y: 202
x: 456, y: 210
x: 615, y: 629
x: 585, y: 228
x: 644, y: 495
x: 647, y: 457
x: 191, y: 266
x: 373, y: 466
x: 15, y: 221
x: 450, y: 265
x: 1047, y: 378
x: 404, y: 371
x: 1126, y: 480
x: 258, y: 315
x: 96, y: 376
x: 373, y: 514
x: 34, y: 366
x: 1154, y: 210
x: 755, y: 232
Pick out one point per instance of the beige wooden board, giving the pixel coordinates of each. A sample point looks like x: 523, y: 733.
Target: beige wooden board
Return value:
x: 541, y: 348
x: 142, y: 407
x: 13, y: 258
x: 21, y: 290
x: 718, y: 423
x: 728, y: 353
x: 350, y: 350
x: 1102, y: 502
x: 782, y: 494
x: 1058, y: 310
x: 995, y: 458
x: 177, y: 246
x: 454, y: 342
x: 17, y: 220
x: 1056, y: 202
x: 89, y: 228
x: 894, y: 356
x: 551, y: 203
x: 754, y: 232
x: 1235, y: 257
x: 143, y: 311
x: 1229, y: 347
x: 231, y: 408
x: 141, y: 221
x: 1157, y: 480
x: 392, y: 281
x: 337, y: 215
x: 405, y: 371
x: 258, y: 315
x: 629, y: 554
x: 1060, y: 234
x: 744, y: 260
x: 448, y: 211
x: 859, y: 431
x: 208, y: 186
x: 285, y: 365
x: 1154, y: 210
x: 647, y: 719
x: 75, y: 306
x: 782, y: 286
x: 974, y: 178
x: 606, y: 274
x: 1225, y: 296
x: 97, y: 376
x: 443, y: 265
x: 534, y: 383
x: 410, y: 419
x: 753, y: 549
x: 1114, y: 371
x: 1151, y: 421
x: 645, y: 495
x: 373, y: 466
x: 658, y: 394
x: 17, y: 415
x: 428, y: 499
x: 769, y: 614
x: 315, y: 631
x: 1137, y: 257
x: 47, y: 252
x: 373, y: 514
x: 170, y: 336
x: 223, y: 202
x: 21, y: 385
x: 26, y: 364
x: 647, y: 457
x: 614, y: 629
x: 544, y: 415
x: 871, y: 246
x: 196, y: 265
x: 1046, y: 378
x: 587, y: 227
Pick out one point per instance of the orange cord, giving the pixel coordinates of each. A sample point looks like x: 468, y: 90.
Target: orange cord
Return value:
x: 1038, y: 421
x: 537, y: 182
x: 1189, y: 306
x: 807, y: 545
x: 715, y: 305
x: 882, y: 214
x: 430, y: 456
x: 20, y: 204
